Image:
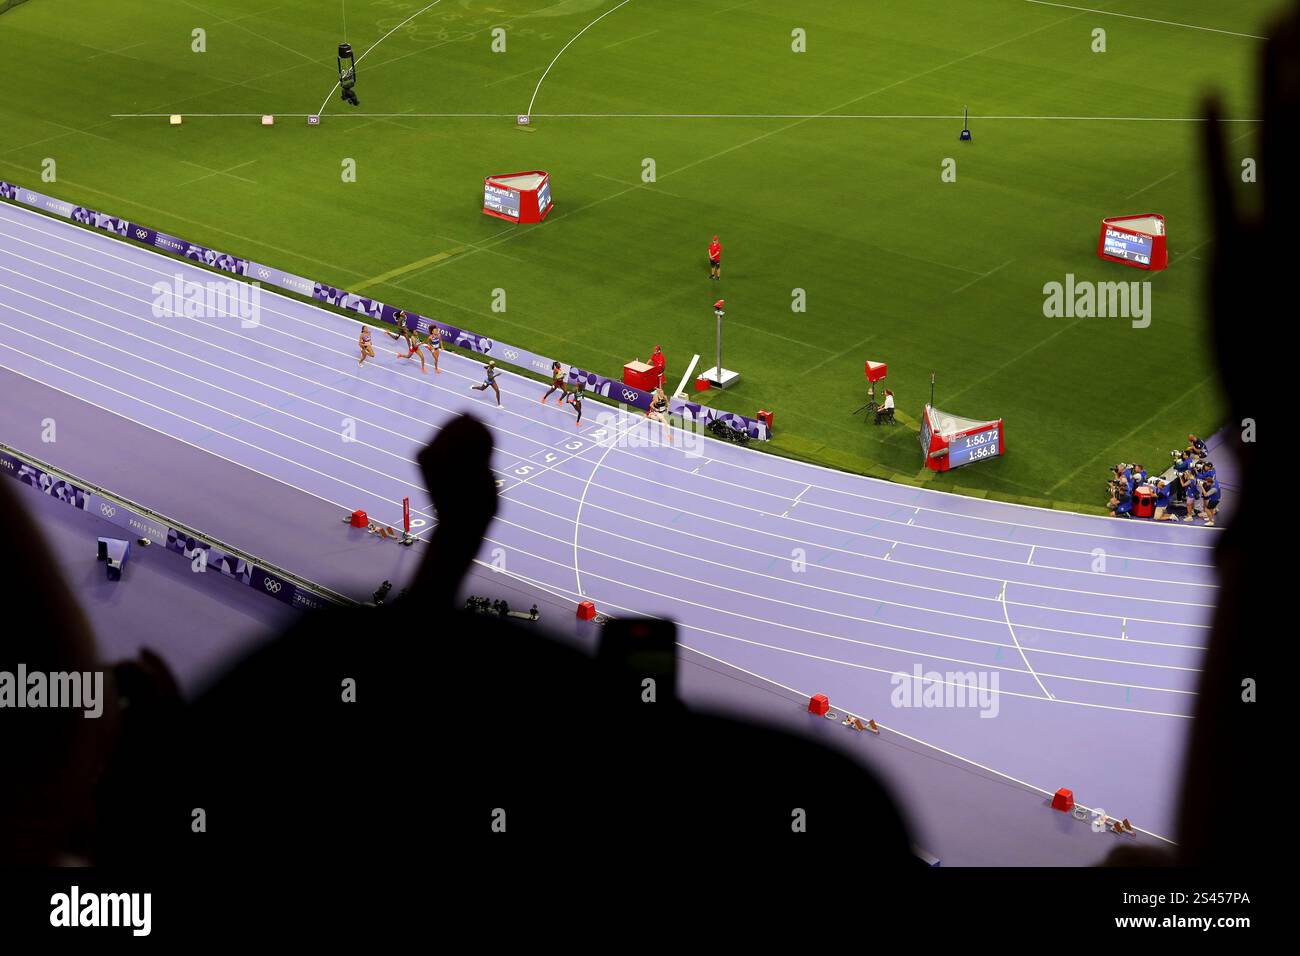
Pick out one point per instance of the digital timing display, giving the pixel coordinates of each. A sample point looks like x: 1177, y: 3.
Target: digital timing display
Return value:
x: 1126, y: 245
x: 544, y: 197
x: 503, y: 201
x: 969, y: 448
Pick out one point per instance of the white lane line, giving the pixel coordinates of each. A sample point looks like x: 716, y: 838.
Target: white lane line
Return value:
x: 577, y: 517
x: 1127, y: 16
x: 1007, y: 617
x: 542, y: 79
x: 806, y: 489
x: 1030, y: 559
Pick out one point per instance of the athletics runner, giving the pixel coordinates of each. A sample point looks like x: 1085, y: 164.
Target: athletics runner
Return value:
x: 575, y: 399
x: 658, y: 409
x: 434, y: 345
x: 413, y: 348
x: 490, y: 381
x: 367, y: 346
x: 557, y: 384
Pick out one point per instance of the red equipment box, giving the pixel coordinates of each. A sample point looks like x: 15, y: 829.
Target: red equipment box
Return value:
x: 640, y: 375
x: 876, y: 370
x: 1137, y: 241
x: 518, y: 197
x: 950, y: 442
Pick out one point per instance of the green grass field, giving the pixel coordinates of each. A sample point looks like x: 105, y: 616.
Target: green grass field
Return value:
x: 831, y: 183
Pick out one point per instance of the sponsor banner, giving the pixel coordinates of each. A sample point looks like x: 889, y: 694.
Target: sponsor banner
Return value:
x: 285, y: 590
x: 269, y: 275
x: 373, y: 309
x: 204, y: 557
x: 134, y: 523
x: 45, y: 482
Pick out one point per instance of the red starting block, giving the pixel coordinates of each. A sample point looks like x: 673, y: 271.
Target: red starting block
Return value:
x: 586, y: 611
x: 1063, y: 800
x: 819, y: 704
x: 360, y: 519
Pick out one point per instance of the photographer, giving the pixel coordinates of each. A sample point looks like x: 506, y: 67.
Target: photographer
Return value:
x: 1121, y: 500
x: 885, y: 410
x: 1162, y: 491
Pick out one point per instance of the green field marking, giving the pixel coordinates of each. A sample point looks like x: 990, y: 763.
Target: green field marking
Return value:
x: 418, y: 264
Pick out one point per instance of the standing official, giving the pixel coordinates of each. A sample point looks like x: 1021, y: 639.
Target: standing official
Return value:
x: 715, y: 259
x: 660, y: 364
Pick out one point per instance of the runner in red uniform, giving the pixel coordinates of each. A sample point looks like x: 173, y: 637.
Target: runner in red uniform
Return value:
x: 557, y: 384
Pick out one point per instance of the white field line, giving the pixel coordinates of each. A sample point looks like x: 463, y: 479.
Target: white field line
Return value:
x: 542, y: 79
x: 1127, y: 16
x: 353, y: 114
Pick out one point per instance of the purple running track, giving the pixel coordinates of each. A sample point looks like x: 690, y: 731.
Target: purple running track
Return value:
x: 816, y: 580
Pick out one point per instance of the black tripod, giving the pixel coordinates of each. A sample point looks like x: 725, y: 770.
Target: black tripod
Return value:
x: 869, y: 404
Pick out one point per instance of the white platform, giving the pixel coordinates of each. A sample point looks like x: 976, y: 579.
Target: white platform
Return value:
x: 727, y: 379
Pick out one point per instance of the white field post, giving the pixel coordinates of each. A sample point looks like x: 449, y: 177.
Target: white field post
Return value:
x: 681, y: 386
x: 718, y: 367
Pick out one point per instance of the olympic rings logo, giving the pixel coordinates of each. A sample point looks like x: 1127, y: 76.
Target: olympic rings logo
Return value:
x: 141, y: 233
x: 511, y: 354
x: 271, y: 585
x: 264, y: 273
x: 630, y: 396
x: 107, y: 511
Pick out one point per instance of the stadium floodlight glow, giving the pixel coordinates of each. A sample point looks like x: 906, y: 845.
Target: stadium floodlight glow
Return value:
x: 347, y: 74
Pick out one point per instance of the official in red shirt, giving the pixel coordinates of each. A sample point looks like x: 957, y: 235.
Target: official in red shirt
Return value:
x: 715, y: 259
x: 660, y: 364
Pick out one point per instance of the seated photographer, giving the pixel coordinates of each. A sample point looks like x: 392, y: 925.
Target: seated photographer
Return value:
x: 885, y: 410
x: 1121, y: 502
x: 1197, y: 447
